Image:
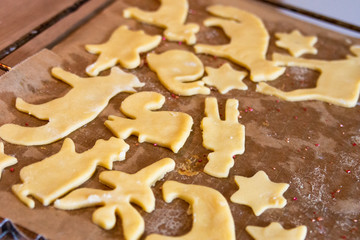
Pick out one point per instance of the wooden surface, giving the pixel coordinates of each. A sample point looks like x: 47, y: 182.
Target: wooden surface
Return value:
x: 276, y: 142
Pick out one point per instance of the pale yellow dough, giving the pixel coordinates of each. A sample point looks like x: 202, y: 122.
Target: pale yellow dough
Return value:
x: 225, y: 78
x: 259, y: 193
x: 87, y: 98
x: 124, y: 47
x: 54, y: 176
x: 128, y: 188
x: 248, y: 45
x: 226, y: 138
x: 212, y: 219
x: 165, y: 128
x: 275, y: 231
x: 338, y: 83
x: 5, y: 160
x: 296, y: 43
x: 171, y: 15
x: 177, y: 71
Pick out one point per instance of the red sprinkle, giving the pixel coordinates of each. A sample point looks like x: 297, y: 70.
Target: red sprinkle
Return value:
x: 295, y: 117
x: 354, y: 144
x: 305, y: 109
x: 278, y: 109
x: 12, y: 169
x: 277, y: 100
x: 234, y: 157
x: 295, y: 198
x: 347, y: 171
x: 180, y: 43
x: 343, y: 237
x: 250, y: 109
x: 155, y: 144
x: 200, y: 160
x: 164, y: 38
x: 317, y: 144
x: 26, y: 124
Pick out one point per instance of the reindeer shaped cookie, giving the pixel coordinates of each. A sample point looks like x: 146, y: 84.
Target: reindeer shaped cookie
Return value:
x: 177, y: 71
x: 87, y: 98
x: 171, y: 15
x: 56, y: 175
x: 165, y: 128
x: 128, y: 188
x: 212, y: 217
x: 248, y: 45
x: 226, y: 138
x: 338, y: 83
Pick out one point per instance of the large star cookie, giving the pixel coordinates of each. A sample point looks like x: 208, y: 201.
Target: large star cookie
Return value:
x: 259, y: 193
x: 296, y: 43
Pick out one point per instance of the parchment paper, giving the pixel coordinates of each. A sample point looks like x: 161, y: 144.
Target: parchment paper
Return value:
x: 281, y: 137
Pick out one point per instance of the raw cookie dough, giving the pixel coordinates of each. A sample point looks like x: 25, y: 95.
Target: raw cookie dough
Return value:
x: 54, y: 176
x: 212, y: 219
x: 338, y: 83
x: 226, y: 138
x: 128, y: 188
x: 225, y: 78
x: 177, y: 71
x: 124, y: 47
x: 171, y: 15
x: 248, y: 45
x: 259, y: 193
x: 87, y: 98
x: 165, y: 128
x: 275, y: 231
x: 5, y: 160
x: 296, y: 43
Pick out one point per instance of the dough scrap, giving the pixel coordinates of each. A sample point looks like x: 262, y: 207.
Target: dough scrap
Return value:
x: 296, y: 43
x: 275, y: 231
x: 171, y: 15
x: 128, y: 188
x: 226, y: 138
x: 87, y: 98
x: 259, y: 193
x: 225, y: 78
x: 177, y: 70
x: 5, y: 160
x: 212, y: 219
x: 248, y: 45
x: 338, y: 83
x: 123, y: 47
x: 54, y: 176
x: 165, y: 128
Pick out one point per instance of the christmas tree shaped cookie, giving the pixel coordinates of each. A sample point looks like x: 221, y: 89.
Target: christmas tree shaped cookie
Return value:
x: 54, y: 176
x: 165, y: 128
x: 177, y: 71
x: 128, y: 188
x: 338, y: 83
x: 226, y: 138
x: 124, y: 47
x: 212, y: 217
x: 83, y: 103
x: 248, y: 45
x: 171, y: 15
x: 5, y: 160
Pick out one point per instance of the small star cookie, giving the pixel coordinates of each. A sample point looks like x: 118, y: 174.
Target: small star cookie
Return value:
x: 225, y: 78
x: 259, y: 193
x: 275, y: 231
x: 296, y: 43
x: 5, y: 160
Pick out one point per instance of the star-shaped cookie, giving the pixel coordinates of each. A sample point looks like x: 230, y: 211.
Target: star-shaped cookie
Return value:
x: 275, y: 231
x: 259, y: 193
x: 5, y: 160
x: 225, y: 78
x: 296, y: 43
